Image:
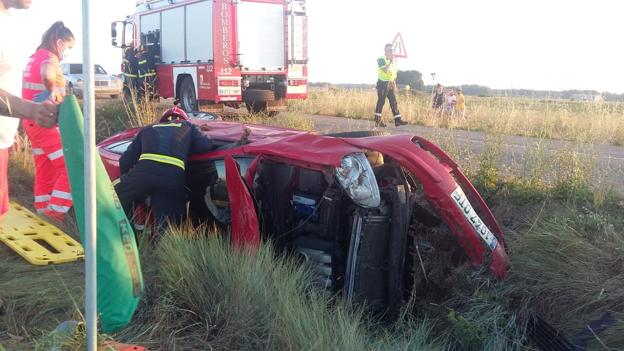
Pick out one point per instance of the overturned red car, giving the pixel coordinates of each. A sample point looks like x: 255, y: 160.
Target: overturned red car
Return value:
x: 363, y: 209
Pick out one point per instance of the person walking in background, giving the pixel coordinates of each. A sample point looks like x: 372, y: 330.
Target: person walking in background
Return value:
x: 438, y: 100
x: 12, y: 108
x: 386, y: 86
x: 460, y: 105
x: 43, y: 80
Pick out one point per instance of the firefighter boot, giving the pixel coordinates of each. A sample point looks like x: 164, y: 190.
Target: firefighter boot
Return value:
x: 379, y: 122
x: 399, y: 122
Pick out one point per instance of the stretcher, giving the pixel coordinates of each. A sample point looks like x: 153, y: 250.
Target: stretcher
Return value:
x: 36, y: 240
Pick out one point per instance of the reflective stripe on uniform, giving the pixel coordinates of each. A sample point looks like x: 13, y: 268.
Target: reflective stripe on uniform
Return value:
x: 130, y: 75
x: 37, y: 152
x: 33, y: 86
x: 57, y: 208
x: 163, y: 159
x: 116, y: 181
x: 142, y: 62
x: 56, y: 154
x: 168, y: 125
x: 42, y: 198
x: 61, y: 195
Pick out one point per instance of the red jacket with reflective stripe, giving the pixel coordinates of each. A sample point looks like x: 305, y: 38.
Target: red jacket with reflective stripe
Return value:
x: 32, y: 81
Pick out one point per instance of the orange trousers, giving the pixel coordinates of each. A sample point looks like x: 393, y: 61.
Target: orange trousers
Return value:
x: 52, y: 192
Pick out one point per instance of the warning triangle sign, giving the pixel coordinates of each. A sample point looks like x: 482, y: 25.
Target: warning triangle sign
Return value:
x: 398, y: 48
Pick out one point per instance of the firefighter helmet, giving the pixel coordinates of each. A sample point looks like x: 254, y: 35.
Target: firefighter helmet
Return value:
x: 172, y: 114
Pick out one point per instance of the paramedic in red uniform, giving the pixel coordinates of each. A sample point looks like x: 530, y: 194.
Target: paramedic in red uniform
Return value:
x: 11, y: 106
x: 43, y: 80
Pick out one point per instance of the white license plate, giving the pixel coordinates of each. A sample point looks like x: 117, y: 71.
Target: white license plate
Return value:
x: 229, y: 91
x: 466, y: 208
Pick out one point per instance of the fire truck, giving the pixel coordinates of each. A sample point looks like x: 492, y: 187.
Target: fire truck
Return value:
x: 215, y: 53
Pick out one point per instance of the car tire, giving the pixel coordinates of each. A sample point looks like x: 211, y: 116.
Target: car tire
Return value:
x: 256, y: 99
x: 358, y: 134
x: 188, y: 98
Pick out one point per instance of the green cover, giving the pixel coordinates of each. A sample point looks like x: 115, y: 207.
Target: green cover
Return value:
x: 119, y: 279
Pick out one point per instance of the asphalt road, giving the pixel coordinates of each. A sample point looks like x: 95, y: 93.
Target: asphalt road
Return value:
x: 606, y: 161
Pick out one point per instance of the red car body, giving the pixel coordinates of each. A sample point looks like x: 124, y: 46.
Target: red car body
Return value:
x: 447, y: 190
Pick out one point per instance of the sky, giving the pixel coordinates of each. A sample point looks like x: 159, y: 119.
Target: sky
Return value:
x: 530, y: 44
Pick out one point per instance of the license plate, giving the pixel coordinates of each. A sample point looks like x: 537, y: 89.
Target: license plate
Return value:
x: 229, y: 91
x: 471, y: 215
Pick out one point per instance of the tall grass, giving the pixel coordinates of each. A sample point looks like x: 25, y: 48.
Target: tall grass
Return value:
x: 577, y: 121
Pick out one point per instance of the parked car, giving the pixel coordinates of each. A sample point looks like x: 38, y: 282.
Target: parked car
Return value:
x: 371, y: 213
x: 105, y: 84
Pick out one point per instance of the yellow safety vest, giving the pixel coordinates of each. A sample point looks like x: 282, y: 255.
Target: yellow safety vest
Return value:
x: 390, y: 74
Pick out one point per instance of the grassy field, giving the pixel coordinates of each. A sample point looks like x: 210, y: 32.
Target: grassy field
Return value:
x: 566, y: 238
x: 577, y: 121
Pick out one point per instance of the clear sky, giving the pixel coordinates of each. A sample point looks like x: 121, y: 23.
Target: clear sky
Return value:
x: 534, y: 44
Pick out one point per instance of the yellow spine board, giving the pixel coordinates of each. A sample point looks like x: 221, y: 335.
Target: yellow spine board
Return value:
x: 36, y: 240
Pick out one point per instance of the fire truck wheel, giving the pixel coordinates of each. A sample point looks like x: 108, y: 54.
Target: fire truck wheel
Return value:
x: 188, y: 99
x: 256, y: 99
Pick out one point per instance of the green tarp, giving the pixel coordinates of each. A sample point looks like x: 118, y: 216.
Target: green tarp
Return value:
x: 119, y: 279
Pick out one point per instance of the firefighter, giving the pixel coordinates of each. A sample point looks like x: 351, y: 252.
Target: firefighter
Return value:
x: 131, y: 68
x: 144, y: 74
x: 43, y: 80
x: 386, y: 86
x: 150, y: 69
x: 153, y: 166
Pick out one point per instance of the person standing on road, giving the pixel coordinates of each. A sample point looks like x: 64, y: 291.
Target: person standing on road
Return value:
x: 449, y: 107
x: 154, y: 164
x: 460, y: 105
x: 12, y: 108
x: 386, y: 87
x: 438, y: 100
x: 43, y: 80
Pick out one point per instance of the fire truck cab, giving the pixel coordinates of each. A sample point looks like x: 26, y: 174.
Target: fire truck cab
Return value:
x: 211, y: 53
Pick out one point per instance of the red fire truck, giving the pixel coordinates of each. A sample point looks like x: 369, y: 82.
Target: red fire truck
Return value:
x: 211, y: 53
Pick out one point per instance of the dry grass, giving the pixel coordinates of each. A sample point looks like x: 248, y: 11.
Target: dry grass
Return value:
x: 564, y: 235
x: 552, y: 119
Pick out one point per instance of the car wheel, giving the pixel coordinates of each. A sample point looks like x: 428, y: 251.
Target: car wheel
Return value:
x: 188, y: 99
x: 357, y: 134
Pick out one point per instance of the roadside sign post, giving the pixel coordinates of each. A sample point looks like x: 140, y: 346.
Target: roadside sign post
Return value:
x: 89, y: 181
x: 398, y: 47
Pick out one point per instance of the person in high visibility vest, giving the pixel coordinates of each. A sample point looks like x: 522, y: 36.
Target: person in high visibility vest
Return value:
x: 153, y: 166
x: 387, y: 73
x: 43, y: 80
x: 12, y: 107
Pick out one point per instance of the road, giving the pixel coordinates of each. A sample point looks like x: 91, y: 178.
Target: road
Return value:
x: 607, y: 170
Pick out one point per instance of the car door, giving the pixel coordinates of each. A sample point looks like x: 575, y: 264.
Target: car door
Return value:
x: 245, y: 230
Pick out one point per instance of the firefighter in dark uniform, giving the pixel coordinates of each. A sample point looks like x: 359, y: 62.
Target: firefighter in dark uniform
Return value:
x: 386, y: 87
x: 131, y: 68
x: 154, y: 164
x: 147, y: 70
